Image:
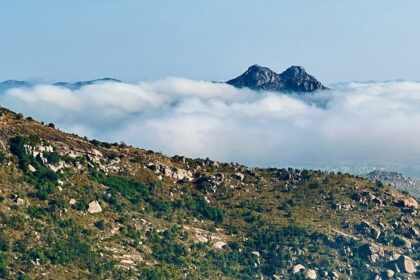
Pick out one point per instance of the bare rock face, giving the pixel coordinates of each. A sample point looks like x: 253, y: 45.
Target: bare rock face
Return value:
x: 94, y: 207
x: 294, y: 79
x: 406, y: 264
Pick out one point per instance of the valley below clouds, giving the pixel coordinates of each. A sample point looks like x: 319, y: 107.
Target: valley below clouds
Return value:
x: 353, y: 126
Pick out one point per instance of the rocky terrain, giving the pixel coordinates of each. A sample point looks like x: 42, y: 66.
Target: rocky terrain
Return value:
x: 293, y: 79
x: 74, y: 208
x: 396, y: 179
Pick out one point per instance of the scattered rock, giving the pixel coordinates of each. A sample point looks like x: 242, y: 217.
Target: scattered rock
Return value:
x: 94, y: 207
x: 389, y: 273
x: 413, y: 233
x: 402, y: 242
x: 335, y: 275
x: 182, y: 174
x: 219, y: 244
x: 367, y: 229
x: 409, y: 202
x: 239, y: 176
x: 297, y: 268
x: 371, y: 251
x: 255, y: 253
x: 31, y: 168
x: 20, y: 201
x: 202, y: 239
x: 406, y: 264
x: 310, y: 274
x: 152, y: 166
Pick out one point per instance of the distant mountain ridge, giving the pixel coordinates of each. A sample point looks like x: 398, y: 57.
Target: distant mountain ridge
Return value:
x: 293, y: 79
x: 80, y: 84
x: 8, y: 84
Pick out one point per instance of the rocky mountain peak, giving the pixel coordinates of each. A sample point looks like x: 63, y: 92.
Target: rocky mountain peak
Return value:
x: 294, y: 72
x: 256, y: 77
x: 293, y: 79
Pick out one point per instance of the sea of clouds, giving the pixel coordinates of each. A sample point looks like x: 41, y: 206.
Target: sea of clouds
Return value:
x: 357, y: 125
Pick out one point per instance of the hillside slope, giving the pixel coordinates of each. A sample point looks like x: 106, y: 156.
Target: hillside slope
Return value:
x: 77, y: 209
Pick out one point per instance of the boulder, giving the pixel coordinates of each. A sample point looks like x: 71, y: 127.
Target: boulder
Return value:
x: 297, y: 268
x: 182, y: 174
x: 31, y: 168
x: 72, y: 201
x: 152, y: 166
x: 406, y: 264
x: 219, y: 244
x: 219, y: 177
x: 409, y: 202
x: 371, y: 251
x: 94, y: 207
x: 367, y: 229
x: 335, y: 275
x: 20, y: 201
x: 402, y: 242
x: 166, y: 170
x: 239, y: 176
x: 389, y: 273
x: 202, y: 239
x: 256, y: 253
x: 205, y: 183
x: 310, y: 274
x: 413, y: 233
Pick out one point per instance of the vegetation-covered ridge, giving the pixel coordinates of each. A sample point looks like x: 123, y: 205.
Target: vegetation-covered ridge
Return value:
x: 71, y: 208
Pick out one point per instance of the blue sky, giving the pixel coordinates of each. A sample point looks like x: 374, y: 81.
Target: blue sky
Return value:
x: 208, y: 40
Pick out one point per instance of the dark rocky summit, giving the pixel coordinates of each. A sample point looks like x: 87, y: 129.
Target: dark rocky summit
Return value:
x: 294, y: 79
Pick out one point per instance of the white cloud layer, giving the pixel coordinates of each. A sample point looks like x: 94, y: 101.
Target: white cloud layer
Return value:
x: 356, y: 124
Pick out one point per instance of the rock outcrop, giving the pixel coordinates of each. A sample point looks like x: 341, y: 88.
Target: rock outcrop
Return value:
x: 406, y: 264
x: 94, y: 207
x: 294, y: 79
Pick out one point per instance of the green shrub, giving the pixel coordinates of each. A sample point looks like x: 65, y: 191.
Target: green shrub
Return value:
x: 4, y: 272
x: 4, y: 244
x: 2, y: 157
x: 165, y: 248
x: 52, y: 157
x: 200, y: 208
x: 158, y: 272
x: 100, y: 224
x: 36, y: 212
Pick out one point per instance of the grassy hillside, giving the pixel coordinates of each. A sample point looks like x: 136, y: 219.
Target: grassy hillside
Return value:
x: 78, y: 209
